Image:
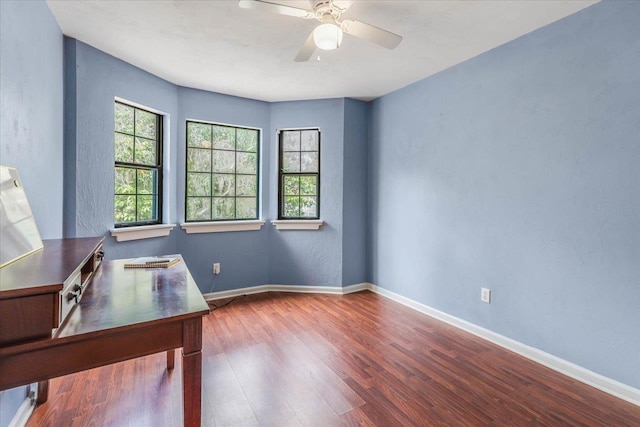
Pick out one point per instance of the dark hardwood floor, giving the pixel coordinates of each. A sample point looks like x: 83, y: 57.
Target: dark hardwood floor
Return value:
x: 281, y: 359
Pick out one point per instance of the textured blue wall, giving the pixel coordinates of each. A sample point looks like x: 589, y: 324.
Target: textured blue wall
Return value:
x: 31, y: 105
x: 70, y: 157
x: 89, y: 125
x: 31, y: 123
x: 244, y: 256
x: 519, y: 170
x: 310, y: 257
x: 354, y: 252
x: 94, y: 78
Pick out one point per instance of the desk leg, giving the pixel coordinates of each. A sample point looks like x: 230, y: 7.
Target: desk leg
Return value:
x: 171, y: 359
x: 43, y: 391
x: 192, y: 371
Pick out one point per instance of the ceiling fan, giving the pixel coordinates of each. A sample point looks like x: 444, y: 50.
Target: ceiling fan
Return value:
x: 327, y: 35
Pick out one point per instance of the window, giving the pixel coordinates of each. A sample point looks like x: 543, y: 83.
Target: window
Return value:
x: 299, y: 178
x: 138, y: 166
x: 222, y: 172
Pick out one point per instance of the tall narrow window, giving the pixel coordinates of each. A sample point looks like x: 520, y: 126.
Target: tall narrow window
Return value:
x: 138, y: 166
x: 222, y: 172
x: 299, y: 177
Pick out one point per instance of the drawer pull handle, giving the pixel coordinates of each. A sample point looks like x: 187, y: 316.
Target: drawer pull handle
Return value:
x: 75, y: 294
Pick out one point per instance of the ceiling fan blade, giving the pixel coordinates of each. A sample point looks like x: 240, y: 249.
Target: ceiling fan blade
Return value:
x: 306, y: 50
x: 269, y: 7
x: 370, y: 33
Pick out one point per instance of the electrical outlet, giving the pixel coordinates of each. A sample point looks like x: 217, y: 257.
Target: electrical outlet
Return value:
x: 216, y: 268
x: 485, y: 295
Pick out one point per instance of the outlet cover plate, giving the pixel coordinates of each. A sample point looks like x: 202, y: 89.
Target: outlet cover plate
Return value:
x: 485, y: 295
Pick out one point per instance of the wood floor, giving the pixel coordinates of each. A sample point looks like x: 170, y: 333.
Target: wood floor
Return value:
x: 279, y: 359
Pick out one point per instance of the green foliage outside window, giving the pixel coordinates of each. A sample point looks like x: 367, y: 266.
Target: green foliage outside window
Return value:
x: 299, y: 174
x: 222, y: 172
x: 138, y: 156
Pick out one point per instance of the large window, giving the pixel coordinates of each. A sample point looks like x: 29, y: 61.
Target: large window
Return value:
x: 222, y: 172
x: 138, y: 166
x: 299, y: 177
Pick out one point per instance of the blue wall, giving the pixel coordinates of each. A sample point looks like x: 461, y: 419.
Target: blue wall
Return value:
x: 354, y: 250
x: 31, y: 123
x: 311, y: 257
x: 243, y: 256
x: 31, y: 105
x: 92, y: 81
x: 519, y: 170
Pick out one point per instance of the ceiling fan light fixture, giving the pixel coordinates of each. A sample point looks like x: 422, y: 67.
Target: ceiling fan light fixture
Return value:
x: 327, y: 36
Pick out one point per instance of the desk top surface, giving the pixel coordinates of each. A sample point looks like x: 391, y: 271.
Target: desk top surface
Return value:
x: 119, y: 297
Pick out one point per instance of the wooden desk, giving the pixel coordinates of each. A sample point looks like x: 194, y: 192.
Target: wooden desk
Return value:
x: 123, y: 314
x: 38, y: 291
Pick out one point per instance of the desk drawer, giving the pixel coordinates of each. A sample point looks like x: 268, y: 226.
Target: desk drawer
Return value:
x: 77, y: 283
x: 70, y: 295
x: 27, y: 318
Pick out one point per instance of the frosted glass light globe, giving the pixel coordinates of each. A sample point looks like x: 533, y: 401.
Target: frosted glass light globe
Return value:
x: 327, y: 36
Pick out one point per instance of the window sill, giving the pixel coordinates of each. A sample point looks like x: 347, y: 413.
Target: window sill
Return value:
x: 221, y: 227
x: 298, y: 224
x: 142, y: 232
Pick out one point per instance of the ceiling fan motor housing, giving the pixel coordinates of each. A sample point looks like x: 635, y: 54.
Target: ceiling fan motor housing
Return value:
x: 325, y: 11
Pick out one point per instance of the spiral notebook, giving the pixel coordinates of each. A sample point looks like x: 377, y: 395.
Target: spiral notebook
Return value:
x: 152, y: 262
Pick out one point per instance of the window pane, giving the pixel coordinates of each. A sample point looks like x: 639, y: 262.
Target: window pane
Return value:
x: 232, y: 168
x: 299, y: 174
x: 124, y: 118
x: 291, y: 185
x: 224, y: 185
x: 146, y: 181
x: 308, y: 206
x: 224, y: 208
x: 224, y: 137
x: 308, y: 185
x: 292, y: 206
x: 137, y: 197
x: 146, y: 208
x: 247, y: 163
x: 309, y: 140
x: 198, y: 208
x: 124, y: 148
x: 309, y: 162
x: 246, y: 208
x: 199, y: 184
x: 198, y: 160
x: 224, y: 161
x: 291, y: 141
x: 145, y: 153
x: 145, y: 124
x: 247, y: 140
x: 291, y: 162
x: 125, y: 181
x: 124, y: 209
x: 246, y: 185
x: 198, y: 135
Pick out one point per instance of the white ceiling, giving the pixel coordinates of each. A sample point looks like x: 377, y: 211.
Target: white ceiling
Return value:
x: 216, y: 46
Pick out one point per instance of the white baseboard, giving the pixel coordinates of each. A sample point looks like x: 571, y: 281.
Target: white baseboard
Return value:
x: 24, y: 412
x: 562, y: 366
x: 212, y: 296
x: 572, y: 370
x: 336, y: 290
